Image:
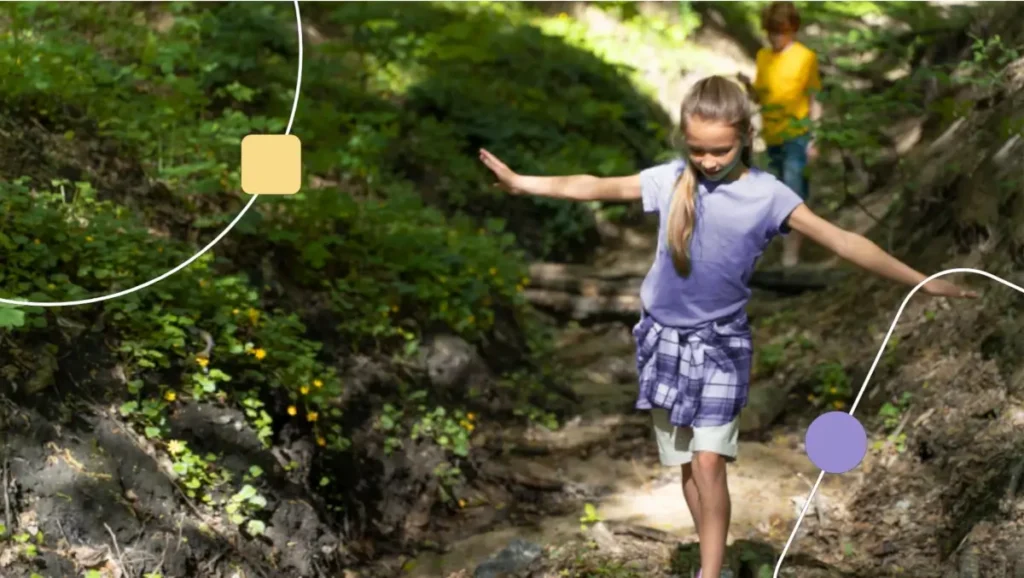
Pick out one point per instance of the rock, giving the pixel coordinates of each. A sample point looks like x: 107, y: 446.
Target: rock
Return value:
x: 764, y: 405
x: 514, y: 559
x: 452, y: 362
x: 295, y: 531
x: 604, y: 539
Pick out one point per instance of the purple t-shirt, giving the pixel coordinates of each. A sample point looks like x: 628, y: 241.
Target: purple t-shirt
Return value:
x: 735, y: 222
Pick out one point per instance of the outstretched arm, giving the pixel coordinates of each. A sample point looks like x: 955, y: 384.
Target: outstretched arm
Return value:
x: 862, y: 252
x: 570, y: 187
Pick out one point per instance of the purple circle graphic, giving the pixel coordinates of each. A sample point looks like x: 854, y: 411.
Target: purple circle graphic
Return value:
x: 836, y: 442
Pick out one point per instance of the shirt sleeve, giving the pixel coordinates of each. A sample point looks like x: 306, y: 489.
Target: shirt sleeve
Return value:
x: 784, y: 201
x: 657, y: 184
x: 813, y: 76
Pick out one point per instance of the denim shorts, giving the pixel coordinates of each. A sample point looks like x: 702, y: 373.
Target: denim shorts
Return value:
x: 788, y: 162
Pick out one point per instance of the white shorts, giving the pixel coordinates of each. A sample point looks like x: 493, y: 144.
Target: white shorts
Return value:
x: 676, y: 445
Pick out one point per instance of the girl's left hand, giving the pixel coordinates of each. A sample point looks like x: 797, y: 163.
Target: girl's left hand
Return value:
x: 940, y: 288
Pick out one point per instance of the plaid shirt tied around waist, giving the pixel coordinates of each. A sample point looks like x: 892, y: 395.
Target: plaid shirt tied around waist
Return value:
x: 700, y: 375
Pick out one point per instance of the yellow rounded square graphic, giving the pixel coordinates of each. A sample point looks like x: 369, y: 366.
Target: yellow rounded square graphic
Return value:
x: 271, y: 164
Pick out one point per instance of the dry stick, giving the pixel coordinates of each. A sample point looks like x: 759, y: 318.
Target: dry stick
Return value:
x: 7, y: 499
x: 62, y: 532
x: 923, y: 418
x: 1015, y: 475
x: 117, y: 548
x: 817, y: 501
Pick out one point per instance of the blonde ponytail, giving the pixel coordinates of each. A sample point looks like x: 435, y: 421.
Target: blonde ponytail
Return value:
x: 717, y: 99
x: 682, y: 218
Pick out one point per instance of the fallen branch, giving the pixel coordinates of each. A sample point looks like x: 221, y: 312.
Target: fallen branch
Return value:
x: 7, y: 499
x: 642, y: 532
x: 117, y: 549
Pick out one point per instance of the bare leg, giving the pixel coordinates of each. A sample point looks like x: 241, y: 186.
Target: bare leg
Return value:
x: 791, y: 248
x: 715, y: 511
x: 692, y: 496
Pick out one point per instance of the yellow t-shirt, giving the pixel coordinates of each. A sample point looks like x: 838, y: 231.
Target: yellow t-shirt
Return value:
x: 783, y: 83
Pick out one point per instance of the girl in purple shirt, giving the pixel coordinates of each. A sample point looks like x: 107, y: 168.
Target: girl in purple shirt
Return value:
x: 717, y: 214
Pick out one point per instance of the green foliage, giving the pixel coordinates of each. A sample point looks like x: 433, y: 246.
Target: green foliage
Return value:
x: 55, y: 254
x: 393, y: 269
x: 590, y: 516
x: 472, y: 75
x: 177, y: 110
x: 833, y: 389
x: 879, y: 54
x: 406, y: 238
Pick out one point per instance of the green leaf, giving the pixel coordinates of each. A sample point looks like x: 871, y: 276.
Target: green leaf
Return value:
x: 11, y: 317
x: 255, y: 527
x: 245, y: 493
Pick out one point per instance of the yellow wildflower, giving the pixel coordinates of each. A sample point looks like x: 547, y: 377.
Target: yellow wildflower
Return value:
x: 170, y: 396
x: 838, y: 404
x: 470, y: 427
x: 304, y: 389
x: 175, y: 446
x: 88, y: 239
x: 311, y: 416
x: 471, y: 416
x: 292, y: 410
x: 462, y: 503
x: 317, y: 383
x: 320, y: 441
x: 259, y: 353
x: 202, y: 361
x: 234, y: 311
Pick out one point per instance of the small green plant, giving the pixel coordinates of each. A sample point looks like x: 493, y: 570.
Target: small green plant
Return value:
x: 590, y: 516
x: 198, y: 474
x: 449, y: 477
x: 390, y: 422
x: 29, y: 543
x: 768, y: 357
x: 833, y: 388
x: 450, y: 430
x: 243, y: 506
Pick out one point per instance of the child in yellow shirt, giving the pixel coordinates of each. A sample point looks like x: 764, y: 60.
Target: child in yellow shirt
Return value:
x: 787, y: 79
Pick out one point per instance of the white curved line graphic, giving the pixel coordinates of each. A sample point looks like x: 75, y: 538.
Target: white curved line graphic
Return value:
x: 867, y: 379
x: 190, y: 260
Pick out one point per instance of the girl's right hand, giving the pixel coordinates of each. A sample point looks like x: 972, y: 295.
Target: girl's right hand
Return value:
x: 507, y: 179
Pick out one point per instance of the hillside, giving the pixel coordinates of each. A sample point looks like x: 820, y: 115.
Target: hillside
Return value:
x: 359, y: 378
